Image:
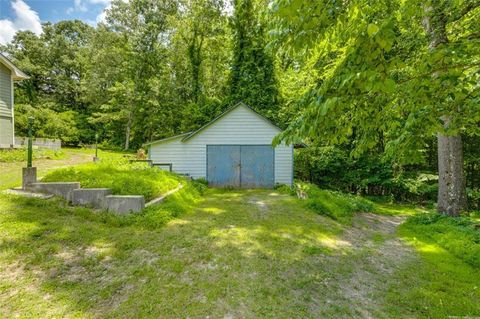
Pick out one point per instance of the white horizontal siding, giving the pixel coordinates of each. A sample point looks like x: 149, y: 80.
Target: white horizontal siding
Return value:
x: 239, y: 127
x: 6, y: 111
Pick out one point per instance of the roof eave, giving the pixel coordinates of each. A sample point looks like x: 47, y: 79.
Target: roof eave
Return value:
x: 17, y: 74
x: 20, y: 76
x: 165, y: 139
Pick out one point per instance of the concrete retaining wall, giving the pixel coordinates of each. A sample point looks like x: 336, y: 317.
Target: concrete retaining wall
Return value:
x: 63, y: 189
x: 90, y: 197
x: 99, y: 198
x: 124, y: 204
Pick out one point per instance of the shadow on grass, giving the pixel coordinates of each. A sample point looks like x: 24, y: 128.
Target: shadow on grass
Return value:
x: 438, y: 285
x: 242, y: 254
x: 231, y: 257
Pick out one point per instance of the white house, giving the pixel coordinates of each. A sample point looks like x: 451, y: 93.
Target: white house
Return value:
x: 9, y: 73
x: 233, y: 150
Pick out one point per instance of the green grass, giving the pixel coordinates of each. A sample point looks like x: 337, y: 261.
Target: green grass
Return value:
x: 238, y: 253
x: 442, y: 283
x: 20, y: 155
x: 459, y: 236
x: 11, y: 171
x: 120, y: 176
x: 392, y: 209
x: 338, y: 206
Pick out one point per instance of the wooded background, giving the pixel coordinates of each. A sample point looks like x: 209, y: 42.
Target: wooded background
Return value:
x: 367, y: 85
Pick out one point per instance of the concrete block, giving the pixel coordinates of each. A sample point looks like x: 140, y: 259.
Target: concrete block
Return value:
x: 124, y: 204
x: 29, y: 176
x: 90, y: 197
x: 62, y: 189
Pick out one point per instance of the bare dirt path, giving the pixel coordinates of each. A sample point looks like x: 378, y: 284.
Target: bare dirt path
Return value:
x: 376, y: 253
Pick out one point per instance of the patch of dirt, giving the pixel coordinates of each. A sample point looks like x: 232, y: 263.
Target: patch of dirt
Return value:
x: 377, y: 253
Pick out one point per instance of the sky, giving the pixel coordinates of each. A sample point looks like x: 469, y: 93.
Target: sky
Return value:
x: 29, y: 14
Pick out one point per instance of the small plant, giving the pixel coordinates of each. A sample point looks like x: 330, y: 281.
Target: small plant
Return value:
x: 202, y: 180
x: 285, y: 189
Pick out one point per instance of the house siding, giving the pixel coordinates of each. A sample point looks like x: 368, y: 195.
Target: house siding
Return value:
x: 241, y: 126
x: 6, y: 110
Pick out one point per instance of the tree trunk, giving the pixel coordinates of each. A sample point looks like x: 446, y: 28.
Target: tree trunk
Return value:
x: 452, y: 197
x: 127, y: 133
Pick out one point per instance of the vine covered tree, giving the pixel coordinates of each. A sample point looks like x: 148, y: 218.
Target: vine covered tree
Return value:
x: 252, y: 77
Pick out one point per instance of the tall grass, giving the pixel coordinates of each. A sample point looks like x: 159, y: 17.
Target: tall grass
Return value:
x: 120, y: 176
x: 460, y: 236
x: 338, y: 206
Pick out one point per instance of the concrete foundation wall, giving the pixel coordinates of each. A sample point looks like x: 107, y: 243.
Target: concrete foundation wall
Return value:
x: 63, y: 189
x: 124, y: 204
x: 90, y: 197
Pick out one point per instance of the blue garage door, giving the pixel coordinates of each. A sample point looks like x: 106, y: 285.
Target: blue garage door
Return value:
x: 246, y: 166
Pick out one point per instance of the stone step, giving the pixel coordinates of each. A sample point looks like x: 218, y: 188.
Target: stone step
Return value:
x: 124, y: 204
x: 63, y: 189
x: 90, y: 197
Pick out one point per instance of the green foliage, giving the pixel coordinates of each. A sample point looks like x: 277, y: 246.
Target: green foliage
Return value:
x: 47, y: 123
x: 120, y: 176
x: 149, y: 71
x: 369, y: 72
x: 285, y: 189
x: 385, y: 77
x: 460, y: 236
x: 332, y: 167
x: 339, y: 206
x: 20, y: 155
x: 474, y: 198
x: 252, y: 78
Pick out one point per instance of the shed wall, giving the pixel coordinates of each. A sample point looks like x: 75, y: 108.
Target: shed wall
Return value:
x: 241, y: 126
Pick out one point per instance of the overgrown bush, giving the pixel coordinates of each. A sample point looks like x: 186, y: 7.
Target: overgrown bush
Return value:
x: 460, y: 236
x: 339, y: 206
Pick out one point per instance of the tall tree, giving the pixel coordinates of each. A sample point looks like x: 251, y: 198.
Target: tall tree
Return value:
x: 200, y: 46
x: 144, y: 24
x: 252, y: 78
x: 388, y: 72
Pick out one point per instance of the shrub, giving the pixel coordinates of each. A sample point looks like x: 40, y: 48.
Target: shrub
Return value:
x: 200, y: 185
x: 285, y: 189
x: 460, y: 236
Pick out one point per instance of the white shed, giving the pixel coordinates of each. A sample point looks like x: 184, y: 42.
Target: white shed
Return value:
x: 233, y: 150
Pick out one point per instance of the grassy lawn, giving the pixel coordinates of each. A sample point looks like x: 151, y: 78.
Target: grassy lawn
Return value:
x: 237, y: 254
x: 11, y: 162
x: 122, y: 177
